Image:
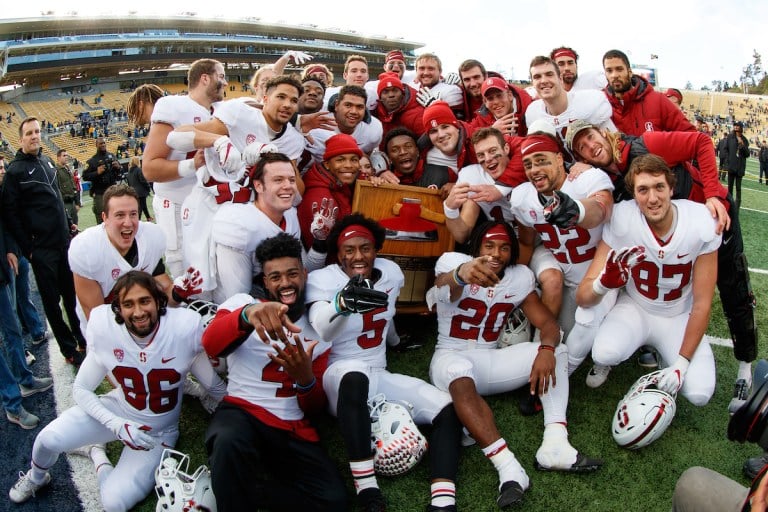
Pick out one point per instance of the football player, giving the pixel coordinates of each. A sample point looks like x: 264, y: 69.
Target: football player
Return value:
x: 276, y: 362
x: 662, y: 255
x: 147, y: 350
x: 567, y: 216
x: 352, y: 303
x: 173, y: 171
x: 474, y: 296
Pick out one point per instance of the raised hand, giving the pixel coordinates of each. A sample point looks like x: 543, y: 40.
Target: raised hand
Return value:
x: 187, y: 285
x: 617, y: 268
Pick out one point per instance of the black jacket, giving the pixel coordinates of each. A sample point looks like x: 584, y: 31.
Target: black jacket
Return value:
x: 137, y: 181
x: 736, y: 162
x: 33, y: 212
x: 110, y: 176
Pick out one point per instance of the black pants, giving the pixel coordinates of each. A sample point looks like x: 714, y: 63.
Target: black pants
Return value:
x: 255, y: 466
x: 143, y: 208
x: 54, y: 281
x: 735, y: 180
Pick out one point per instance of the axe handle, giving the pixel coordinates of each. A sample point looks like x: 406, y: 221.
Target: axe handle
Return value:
x: 425, y: 214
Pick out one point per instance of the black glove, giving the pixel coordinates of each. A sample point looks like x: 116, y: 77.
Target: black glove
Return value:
x: 560, y: 210
x: 358, y: 296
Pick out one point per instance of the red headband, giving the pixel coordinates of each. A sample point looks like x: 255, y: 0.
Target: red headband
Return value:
x: 316, y: 69
x: 354, y: 231
x: 564, y: 52
x: 537, y: 143
x: 497, y: 232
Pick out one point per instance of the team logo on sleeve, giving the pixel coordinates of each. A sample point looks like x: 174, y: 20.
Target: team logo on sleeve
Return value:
x: 197, y: 119
x: 473, y: 289
x: 115, y: 273
x: 250, y: 138
x: 119, y: 354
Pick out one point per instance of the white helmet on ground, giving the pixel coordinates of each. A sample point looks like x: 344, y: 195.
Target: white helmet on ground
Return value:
x: 517, y: 329
x: 177, y: 490
x: 643, y: 414
x: 397, y: 443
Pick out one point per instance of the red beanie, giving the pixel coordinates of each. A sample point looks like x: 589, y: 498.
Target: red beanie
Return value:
x: 438, y: 113
x: 387, y: 80
x: 341, y: 144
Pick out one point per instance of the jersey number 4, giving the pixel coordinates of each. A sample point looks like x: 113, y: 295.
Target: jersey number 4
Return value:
x: 153, y: 392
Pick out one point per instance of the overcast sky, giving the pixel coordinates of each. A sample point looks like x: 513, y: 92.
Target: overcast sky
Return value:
x: 695, y: 40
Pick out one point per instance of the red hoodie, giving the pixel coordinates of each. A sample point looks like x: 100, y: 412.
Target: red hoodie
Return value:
x: 408, y: 115
x: 319, y: 184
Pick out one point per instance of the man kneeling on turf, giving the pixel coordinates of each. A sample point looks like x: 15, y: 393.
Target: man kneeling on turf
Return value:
x: 474, y: 296
x: 147, y: 350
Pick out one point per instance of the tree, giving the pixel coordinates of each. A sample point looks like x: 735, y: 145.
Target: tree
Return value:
x: 688, y: 86
x: 757, y: 67
x: 717, y: 85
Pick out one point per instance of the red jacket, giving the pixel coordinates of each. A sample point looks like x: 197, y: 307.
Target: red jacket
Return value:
x: 642, y: 109
x: 466, y: 154
x: 408, y: 115
x: 484, y: 118
x: 514, y: 174
x: 320, y: 184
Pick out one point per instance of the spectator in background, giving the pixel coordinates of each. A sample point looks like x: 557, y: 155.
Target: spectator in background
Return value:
x: 763, y: 158
x: 737, y: 147
x: 67, y: 185
x: 102, y: 170
x: 675, y: 96
x: 137, y: 181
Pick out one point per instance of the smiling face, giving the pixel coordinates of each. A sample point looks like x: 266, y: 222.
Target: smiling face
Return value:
x: 472, y: 80
x: 445, y: 137
x: 344, y: 167
x: 654, y: 197
x: 350, y: 110
x: 121, y: 221
x: 276, y: 189
x: 427, y: 72
x: 592, y: 147
x: 311, y: 100
x: 357, y: 256
x: 500, y: 253
x: 546, y: 81
x: 403, y: 153
x: 356, y: 73
x: 492, y: 156
x: 139, y: 310
x: 280, y: 103
x: 215, y: 83
x: 498, y: 103
x: 545, y: 170
x: 569, y: 70
x: 284, y: 279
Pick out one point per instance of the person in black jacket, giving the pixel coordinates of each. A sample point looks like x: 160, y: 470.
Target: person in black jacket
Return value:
x: 137, y: 181
x: 737, y: 146
x: 102, y: 170
x: 33, y: 213
x: 763, y: 158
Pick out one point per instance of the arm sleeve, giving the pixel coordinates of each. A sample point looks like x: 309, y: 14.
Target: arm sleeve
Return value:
x: 205, y: 374
x: 234, y: 269
x: 89, y: 376
x: 320, y: 315
x: 223, y: 335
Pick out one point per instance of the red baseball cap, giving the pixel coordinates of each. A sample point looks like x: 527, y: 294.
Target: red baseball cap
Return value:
x: 494, y: 82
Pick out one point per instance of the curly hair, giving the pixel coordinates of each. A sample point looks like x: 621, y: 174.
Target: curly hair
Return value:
x: 476, y: 239
x: 281, y: 245
x: 379, y: 233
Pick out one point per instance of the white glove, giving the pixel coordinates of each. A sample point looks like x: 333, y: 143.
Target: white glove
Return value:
x: 671, y: 377
x: 298, y: 57
x: 229, y: 157
x: 323, y: 218
x: 425, y: 97
x: 452, y: 78
x: 132, y: 434
x: 254, y: 150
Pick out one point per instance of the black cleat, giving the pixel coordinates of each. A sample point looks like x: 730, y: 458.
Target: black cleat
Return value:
x: 530, y: 405
x: 449, y: 508
x: 371, y: 500
x: 407, y: 343
x: 752, y: 466
x: 511, y: 493
x: 583, y: 464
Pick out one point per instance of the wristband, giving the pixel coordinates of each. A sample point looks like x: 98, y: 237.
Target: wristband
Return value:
x: 186, y: 168
x: 304, y: 389
x: 245, y: 325
x: 450, y: 213
x: 582, y: 211
x: 178, y: 298
x: 598, y: 287
x: 458, y: 280
x: 547, y: 347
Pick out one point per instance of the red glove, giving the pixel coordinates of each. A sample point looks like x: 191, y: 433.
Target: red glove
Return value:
x: 617, y: 268
x: 187, y: 285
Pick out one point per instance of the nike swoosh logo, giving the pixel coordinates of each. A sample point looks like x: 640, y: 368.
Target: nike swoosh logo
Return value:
x: 389, y: 290
x: 509, y: 296
x: 168, y: 360
x: 681, y: 256
x: 30, y: 172
x: 726, y: 241
x: 529, y: 146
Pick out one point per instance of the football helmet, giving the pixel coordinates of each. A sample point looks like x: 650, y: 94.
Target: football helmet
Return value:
x: 397, y: 443
x: 643, y: 414
x: 177, y: 490
x: 207, y: 310
x: 517, y: 329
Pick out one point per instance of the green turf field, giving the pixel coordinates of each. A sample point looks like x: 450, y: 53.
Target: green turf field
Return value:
x: 630, y: 480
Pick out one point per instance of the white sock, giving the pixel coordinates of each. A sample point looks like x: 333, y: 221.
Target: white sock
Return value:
x: 363, y: 475
x: 100, y: 462
x: 555, y: 450
x: 443, y: 494
x: 745, y: 372
x: 505, y: 463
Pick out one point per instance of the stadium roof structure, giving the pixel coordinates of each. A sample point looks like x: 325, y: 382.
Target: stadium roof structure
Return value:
x: 50, y: 48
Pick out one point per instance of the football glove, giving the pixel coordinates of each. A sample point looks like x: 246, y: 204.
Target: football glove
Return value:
x: 358, y: 296
x: 561, y: 210
x: 617, y: 268
x: 229, y: 157
x: 323, y: 218
x: 425, y: 97
x: 253, y: 151
x: 298, y: 57
x: 379, y: 162
x: 132, y: 434
x: 671, y: 378
x: 452, y: 78
x: 187, y: 285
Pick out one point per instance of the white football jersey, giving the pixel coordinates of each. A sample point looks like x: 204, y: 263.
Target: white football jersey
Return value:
x: 591, y: 79
x: 149, y: 380
x: 363, y: 336
x: 500, y: 209
x: 92, y: 256
x: 573, y: 248
x: 178, y: 111
x: 254, y: 377
x: 246, y: 124
x: 662, y: 283
x: 589, y: 104
x: 480, y: 313
x: 367, y: 135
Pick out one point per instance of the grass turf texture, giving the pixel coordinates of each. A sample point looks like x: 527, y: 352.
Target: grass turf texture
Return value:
x: 640, y: 480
